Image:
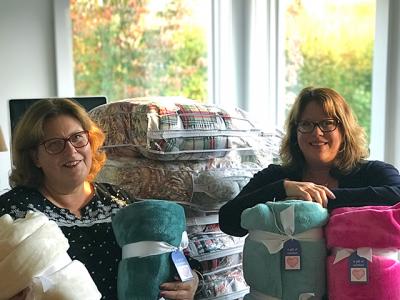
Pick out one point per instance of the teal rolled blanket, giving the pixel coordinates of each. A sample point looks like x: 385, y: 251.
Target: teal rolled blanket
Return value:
x: 263, y: 264
x: 139, y: 278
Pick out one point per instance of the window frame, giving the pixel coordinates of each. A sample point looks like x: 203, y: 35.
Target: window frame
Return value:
x: 64, y: 49
x: 232, y: 25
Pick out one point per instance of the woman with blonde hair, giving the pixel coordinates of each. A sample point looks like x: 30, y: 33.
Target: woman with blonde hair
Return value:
x: 323, y: 156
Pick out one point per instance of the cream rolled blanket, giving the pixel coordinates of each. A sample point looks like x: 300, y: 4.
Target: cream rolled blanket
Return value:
x: 33, y: 253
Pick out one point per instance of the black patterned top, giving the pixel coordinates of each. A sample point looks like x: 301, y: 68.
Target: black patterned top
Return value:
x: 91, y: 237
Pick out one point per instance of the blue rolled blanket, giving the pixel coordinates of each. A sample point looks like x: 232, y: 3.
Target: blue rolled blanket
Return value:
x: 137, y: 228
x: 270, y: 225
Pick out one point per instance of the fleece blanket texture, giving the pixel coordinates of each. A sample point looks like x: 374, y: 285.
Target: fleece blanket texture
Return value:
x: 264, y: 271
x: 33, y: 253
x: 139, y: 278
x: 376, y: 227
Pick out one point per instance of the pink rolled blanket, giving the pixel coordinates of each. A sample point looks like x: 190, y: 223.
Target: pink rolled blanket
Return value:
x: 373, y: 232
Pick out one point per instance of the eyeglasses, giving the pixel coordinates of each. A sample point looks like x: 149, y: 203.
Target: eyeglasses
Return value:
x: 57, y: 145
x: 326, y: 125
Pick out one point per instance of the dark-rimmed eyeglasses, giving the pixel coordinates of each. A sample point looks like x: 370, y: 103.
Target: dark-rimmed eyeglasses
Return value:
x: 57, y: 145
x: 326, y: 125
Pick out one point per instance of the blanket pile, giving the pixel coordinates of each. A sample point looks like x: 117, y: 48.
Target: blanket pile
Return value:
x: 270, y: 225
x: 373, y: 232
x: 194, y: 183
x: 171, y: 128
x: 33, y: 253
x: 147, y: 231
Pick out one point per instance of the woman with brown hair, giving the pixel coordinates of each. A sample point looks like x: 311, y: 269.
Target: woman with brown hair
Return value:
x: 56, y: 156
x: 323, y: 160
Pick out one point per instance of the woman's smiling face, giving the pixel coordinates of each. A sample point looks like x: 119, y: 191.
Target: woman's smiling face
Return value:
x: 69, y: 167
x: 319, y: 148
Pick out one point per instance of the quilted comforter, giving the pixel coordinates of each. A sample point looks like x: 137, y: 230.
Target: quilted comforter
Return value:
x: 171, y: 128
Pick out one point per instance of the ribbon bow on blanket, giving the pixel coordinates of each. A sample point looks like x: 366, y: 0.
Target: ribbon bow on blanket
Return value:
x: 149, y: 248
x: 33, y: 252
x: 147, y: 231
x: 365, y: 252
x: 45, y: 278
x: 274, y: 241
x: 272, y: 224
x: 372, y: 231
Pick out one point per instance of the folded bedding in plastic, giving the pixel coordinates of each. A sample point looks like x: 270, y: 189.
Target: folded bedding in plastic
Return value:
x: 172, y: 128
x: 193, y: 183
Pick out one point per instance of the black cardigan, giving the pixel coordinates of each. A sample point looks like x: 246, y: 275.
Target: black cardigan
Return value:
x: 370, y: 183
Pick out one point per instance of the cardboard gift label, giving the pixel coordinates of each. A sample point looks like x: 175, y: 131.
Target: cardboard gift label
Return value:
x: 292, y: 255
x: 358, y: 269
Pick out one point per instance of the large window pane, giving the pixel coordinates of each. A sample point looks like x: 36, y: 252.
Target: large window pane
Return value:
x: 138, y: 48
x: 330, y: 43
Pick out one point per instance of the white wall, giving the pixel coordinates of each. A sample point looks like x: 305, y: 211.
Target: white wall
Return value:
x: 27, y: 60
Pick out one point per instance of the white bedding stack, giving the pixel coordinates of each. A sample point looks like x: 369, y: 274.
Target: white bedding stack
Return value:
x: 33, y: 254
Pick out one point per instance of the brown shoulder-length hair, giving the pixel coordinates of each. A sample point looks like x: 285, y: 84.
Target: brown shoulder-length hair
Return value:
x: 354, y: 145
x: 29, y: 133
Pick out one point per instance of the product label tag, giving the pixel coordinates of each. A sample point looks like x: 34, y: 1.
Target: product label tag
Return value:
x: 182, y: 266
x: 292, y: 255
x: 358, y: 269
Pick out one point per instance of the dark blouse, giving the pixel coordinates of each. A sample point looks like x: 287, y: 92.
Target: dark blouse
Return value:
x: 370, y: 183
x: 91, y: 237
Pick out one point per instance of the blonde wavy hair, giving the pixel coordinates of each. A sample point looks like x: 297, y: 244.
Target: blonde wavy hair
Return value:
x: 354, y: 146
x: 29, y: 133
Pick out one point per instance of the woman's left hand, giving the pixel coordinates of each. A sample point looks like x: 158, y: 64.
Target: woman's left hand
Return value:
x: 180, y: 290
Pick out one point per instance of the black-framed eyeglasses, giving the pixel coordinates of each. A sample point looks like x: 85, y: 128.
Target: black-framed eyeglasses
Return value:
x: 326, y: 125
x: 57, y: 145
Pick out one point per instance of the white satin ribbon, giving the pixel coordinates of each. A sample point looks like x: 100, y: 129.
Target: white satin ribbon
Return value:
x: 274, y: 241
x: 45, y: 277
x: 365, y: 252
x: 287, y: 220
x: 149, y: 248
x: 261, y: 296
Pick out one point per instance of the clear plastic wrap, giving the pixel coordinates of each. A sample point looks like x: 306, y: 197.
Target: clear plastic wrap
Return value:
x: 213, y: 188
x: 193, y: 183
x: 172, y: 128
x: 226, y: 283
x: 222, y: 262
x: 210, y: 245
